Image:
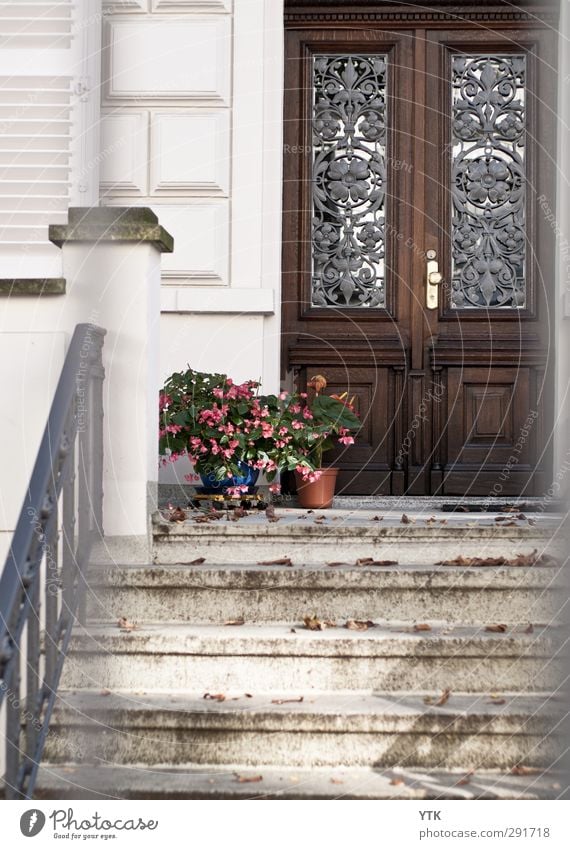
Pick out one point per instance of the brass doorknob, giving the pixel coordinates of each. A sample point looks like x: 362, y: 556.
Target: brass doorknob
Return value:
x: 435, y: 278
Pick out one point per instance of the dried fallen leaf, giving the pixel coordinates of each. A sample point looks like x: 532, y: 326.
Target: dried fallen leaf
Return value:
x: 315, y: 624
x: 279, y: 561
x: 197, y: 561
x: 529, y: 629
x: 337, y: 563
x: 105, y: 692
x: 397, y: 782
x: 248, y: 779
x: 378, y: 518
x: 270, y: 513
x: 177, y: 514
x: 466, y: 779
x: 525, y: 770
x: 405, y: 520
x: 287, y: 701
x: 431, y: 520
x: 422, y: 626
x: 125, y: 625
x: 214, y: 697
x: 337, y: 781
x: 497, y: 700
x: 359, y: 624
x: 238, y: 513
x: 369, y: 561
x: 532, y: 559
x: 496, y: 629
x: 248, y: 695
x: 240, y: 621
x: 443, y: 698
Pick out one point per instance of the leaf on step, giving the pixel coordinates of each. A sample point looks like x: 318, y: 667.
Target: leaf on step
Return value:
x: 315, y: 624
x: 501, y: 518
x: 466, y: 778
x: 320, y: 518
x: 369, y: 561
x: 531, y: 521
x: 519, y: 769
x: 556, y: 786
x: 248, y: 779
x: 105, y: 692
x: 521, y: 516
x: 248, y: 695
x: 496, y: 629
x: 292, y: 631
x: 279, y: 561
x: 442, y: 521
x: 359, y: 624
x: 214, y: 697
x: 443, y: 699
x: 431, y: 520
x: 406, y: 520
x: 287, y: 701
x: 337, y: 781
x: 397, y: 782
x: 497, y: 700
x: 337, y: 563
x: 197, y: 561
x: 177, y: 514
x: 238, y: 513
x: 529, y: 629
x: 270, y: 513
x: 422, y: 626
x: 472, y: 524
x: 125, y: 625
x: 378, y: 518
x: 240, y: 621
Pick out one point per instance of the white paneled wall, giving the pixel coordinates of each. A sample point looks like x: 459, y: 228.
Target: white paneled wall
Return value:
x: 192, y: 127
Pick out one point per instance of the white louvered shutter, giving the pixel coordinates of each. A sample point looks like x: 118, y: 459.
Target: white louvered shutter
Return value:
x: 46, y: 100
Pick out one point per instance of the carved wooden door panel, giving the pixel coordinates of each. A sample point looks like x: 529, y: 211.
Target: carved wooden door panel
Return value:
x: 416, y: 264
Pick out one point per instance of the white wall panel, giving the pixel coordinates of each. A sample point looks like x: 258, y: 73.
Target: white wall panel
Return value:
x: 192, y: 5
x: 201, y: 241
x: 126, y: 5
x: 190, y: 153
x: 161, y: 58
x: 124, y: 153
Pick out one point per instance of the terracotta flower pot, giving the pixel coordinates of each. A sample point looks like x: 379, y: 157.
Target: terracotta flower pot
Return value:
x: 319, y: 494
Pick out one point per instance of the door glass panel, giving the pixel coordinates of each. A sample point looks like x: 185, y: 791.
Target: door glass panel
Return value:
x: 349, y: 176
x: 488, y: 181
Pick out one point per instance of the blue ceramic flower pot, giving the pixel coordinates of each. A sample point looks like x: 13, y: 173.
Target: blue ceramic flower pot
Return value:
x: 249, y: 478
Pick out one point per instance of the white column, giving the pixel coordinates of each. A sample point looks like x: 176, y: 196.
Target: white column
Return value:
x: 111, y: 261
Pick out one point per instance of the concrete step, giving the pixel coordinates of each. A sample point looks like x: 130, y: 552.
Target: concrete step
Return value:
x: 324, y: 729
x: 288, y: 657
x: 333, y: 535
x: 213, y: 593
x: 239, y: 782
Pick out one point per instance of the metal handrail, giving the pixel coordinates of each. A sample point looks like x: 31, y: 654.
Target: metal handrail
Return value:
x: 47, y: 563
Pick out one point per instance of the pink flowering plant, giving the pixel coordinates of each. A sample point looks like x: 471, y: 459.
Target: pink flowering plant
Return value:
x: 221, y: 425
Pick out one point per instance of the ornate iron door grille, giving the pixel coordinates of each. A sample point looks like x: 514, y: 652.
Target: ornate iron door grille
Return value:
x: 349, y: 177
x: 488, y: 181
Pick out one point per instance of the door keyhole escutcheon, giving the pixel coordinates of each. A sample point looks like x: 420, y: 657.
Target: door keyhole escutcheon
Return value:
x: 434, y: 279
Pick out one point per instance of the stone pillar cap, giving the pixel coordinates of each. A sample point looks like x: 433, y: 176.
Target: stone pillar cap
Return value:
x: 112, y: 224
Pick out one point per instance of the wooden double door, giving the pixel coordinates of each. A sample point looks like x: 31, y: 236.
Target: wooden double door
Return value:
x: 418, y: 249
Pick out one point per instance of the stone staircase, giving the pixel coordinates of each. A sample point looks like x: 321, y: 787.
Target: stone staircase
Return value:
x: 447, y: 682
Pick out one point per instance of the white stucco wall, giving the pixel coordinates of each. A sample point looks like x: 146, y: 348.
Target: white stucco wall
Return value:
x: 192, y: 126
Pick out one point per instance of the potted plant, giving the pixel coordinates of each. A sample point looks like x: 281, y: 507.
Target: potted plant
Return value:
x: 230, y: 432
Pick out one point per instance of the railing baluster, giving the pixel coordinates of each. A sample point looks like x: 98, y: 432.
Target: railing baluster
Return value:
x: 13, y: 728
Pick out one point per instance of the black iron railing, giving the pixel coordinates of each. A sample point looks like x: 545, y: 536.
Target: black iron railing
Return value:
x: 42, y: 584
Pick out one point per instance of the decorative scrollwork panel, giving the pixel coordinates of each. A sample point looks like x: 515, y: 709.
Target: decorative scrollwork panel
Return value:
x: 349, y: 176
x: 488, y: 181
